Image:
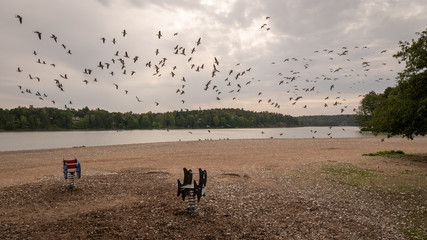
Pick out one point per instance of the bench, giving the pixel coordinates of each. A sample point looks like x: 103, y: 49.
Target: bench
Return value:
x: 71, y: 169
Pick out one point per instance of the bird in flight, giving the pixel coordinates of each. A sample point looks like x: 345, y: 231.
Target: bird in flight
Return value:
x: 39, y: 34
x: 216, y: 61
x: 19, y: 18
x: 54, y: 37
x: 124, y: 32
x: 159, y: 35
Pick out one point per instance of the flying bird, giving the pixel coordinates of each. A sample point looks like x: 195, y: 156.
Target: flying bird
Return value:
x: 54, y: 37
x: 39, y: 34
x: 19, y: 18
x: 159, y: 35
x: 216, y: 61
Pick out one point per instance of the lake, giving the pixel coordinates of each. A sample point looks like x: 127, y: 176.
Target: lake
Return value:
x: 10, y: 141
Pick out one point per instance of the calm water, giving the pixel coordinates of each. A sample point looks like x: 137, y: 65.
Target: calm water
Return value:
x: 66, y: 139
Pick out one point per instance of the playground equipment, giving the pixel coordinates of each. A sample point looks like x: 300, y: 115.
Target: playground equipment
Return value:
x: 71, y: 169
x: 192, y: 189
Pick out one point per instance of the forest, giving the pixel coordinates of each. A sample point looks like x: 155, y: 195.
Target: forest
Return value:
x: 30, y: 118
x: 328, y: 120
x: 23, y: 118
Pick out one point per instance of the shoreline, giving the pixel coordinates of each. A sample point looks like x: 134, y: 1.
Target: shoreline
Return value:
x: 52, y: 140
x: 188, y: 141
x: 25, y: 166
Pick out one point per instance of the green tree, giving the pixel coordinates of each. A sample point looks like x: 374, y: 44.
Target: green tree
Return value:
x: 401, y: 110
x: 366, y: 109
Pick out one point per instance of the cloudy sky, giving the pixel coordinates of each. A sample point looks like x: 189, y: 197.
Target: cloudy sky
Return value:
x: 304, y: 57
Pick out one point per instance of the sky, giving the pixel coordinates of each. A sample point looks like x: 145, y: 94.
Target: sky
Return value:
x: 304, y: 57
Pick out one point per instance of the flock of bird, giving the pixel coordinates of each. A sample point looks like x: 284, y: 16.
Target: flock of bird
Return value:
x: 291, y: 74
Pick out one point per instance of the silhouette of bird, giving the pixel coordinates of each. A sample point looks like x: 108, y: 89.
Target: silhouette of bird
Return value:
x: 159, y: 34
x: 124, y: 32
x: 198, y: 41
x: 19, y: 18
x: 19, y: 69
x: 216, y: 61
x: 39, y: 34
x: 103, y: 40
x: 54, y: 37
x: 117, y: 86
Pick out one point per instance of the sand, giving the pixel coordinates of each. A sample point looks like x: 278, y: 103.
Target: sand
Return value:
x: 292, y: 188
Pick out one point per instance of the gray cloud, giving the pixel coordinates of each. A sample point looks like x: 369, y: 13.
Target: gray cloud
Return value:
x: 229, y: 30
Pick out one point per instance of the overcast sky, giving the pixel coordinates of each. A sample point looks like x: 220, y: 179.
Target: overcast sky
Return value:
x: 304, y: 57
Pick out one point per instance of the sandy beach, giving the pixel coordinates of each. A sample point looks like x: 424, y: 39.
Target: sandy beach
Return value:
x: 257, y: 189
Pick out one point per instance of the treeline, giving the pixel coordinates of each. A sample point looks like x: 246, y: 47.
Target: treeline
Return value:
x: 328, y: 120
x: 23, y: 118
